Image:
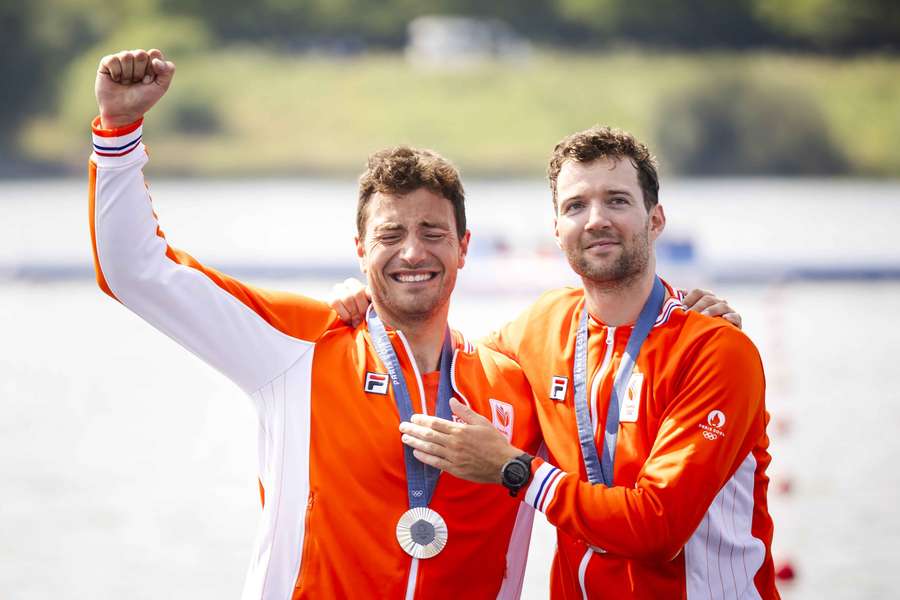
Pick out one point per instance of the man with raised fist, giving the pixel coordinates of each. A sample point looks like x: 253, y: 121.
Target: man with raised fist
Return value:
x: 347, y: 510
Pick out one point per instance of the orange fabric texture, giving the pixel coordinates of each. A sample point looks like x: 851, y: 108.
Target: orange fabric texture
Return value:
x: 358, y: 479
x: 431, y: 382
x: 673, y: 455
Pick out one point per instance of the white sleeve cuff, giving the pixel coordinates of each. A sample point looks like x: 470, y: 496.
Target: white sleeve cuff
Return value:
x: 117, y: 147
x: 543, y: 485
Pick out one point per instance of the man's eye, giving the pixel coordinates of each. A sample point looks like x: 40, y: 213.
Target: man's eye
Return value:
x: 389, y: 238
x: 618, y: 200
x: 572, y: 207
x: 437, y: 235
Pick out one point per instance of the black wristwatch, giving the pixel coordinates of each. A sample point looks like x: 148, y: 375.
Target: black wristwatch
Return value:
x: 516, y: 473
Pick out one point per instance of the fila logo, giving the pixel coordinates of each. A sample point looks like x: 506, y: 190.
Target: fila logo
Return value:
x: 558, y: 387
x: 376, y: 383
x: 502, y: 417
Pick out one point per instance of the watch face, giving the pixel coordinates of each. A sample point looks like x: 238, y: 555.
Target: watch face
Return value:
x: 516, y: 473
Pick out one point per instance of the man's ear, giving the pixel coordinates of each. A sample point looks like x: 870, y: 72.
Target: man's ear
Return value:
x: 657, y: 221
x: 463, y: 249
x: 360, y: 253
x: 556, y: 233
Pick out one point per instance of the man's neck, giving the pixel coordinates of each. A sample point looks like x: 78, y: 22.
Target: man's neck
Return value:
x: 425, y: 337
x: 619, y: 302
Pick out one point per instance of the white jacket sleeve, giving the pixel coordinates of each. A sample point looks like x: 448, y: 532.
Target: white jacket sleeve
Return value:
x: 250, y: 335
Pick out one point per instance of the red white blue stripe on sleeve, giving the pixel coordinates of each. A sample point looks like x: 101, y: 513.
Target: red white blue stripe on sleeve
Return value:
x: 112, y: 144
x: 543, y: 486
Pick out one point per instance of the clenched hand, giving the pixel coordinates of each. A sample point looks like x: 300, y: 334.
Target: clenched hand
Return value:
x: 129, y: 83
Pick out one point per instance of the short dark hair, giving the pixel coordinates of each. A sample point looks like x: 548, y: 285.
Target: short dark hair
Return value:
x: 402, y: 170
x: 607, y: 142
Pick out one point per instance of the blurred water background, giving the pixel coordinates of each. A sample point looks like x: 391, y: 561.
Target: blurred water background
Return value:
x: 128, y: 466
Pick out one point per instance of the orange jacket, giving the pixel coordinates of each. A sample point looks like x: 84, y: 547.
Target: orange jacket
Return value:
x: 330, y: 458
x: 687, y: 515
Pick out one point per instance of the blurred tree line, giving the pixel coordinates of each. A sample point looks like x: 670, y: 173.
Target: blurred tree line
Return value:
x: 827, y: 25
x: 39, y: 38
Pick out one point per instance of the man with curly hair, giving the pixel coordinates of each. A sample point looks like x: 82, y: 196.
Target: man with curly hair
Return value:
x: 654, y: 417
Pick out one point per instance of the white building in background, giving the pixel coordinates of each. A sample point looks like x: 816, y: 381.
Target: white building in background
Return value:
x: 442, y: 42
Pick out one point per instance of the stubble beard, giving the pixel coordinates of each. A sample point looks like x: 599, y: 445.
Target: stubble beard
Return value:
x: 407, y: 309
x: 625, y: 269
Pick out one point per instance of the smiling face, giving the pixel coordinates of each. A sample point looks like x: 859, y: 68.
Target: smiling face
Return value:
x: 410, y: 253
x: 602, y: 223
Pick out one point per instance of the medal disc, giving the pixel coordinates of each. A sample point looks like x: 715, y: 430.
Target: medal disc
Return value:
x: 422, y: 532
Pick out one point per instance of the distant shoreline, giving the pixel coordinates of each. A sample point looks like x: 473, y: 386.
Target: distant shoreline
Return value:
x: 301, y: 115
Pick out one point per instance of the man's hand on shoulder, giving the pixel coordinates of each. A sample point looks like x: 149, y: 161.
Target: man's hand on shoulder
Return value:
x: 129, y: 83
x: 707, y: 303
x: 350, y: 300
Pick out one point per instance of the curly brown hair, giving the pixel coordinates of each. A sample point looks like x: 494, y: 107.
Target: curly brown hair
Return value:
x: 607, y: 142
x: 401, y: 170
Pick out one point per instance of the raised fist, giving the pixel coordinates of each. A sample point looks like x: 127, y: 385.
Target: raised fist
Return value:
x: 129, y: 83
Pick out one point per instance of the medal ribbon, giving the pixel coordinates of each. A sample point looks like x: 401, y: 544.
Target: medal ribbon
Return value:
x: 421, y: 479
x: 600, y: 470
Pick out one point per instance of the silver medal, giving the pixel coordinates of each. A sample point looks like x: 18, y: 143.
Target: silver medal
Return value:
x: 422, y: 532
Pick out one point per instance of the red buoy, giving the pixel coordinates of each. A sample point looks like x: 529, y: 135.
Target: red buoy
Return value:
x: 784, y: 571
x: 784, y: 485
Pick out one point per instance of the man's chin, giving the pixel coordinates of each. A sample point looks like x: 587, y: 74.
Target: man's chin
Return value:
x: 415, y: 315
x: 411, y: 304
x: 412, y: 310
x: 598, y: 273
x: 591, y: 268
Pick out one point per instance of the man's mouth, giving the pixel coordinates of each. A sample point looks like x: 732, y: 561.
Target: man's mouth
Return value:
x: 416, y: 277
x: 600, y: 244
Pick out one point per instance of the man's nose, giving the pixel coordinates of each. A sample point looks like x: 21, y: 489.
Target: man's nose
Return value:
x: 413, y: 251
x: 597, y: 217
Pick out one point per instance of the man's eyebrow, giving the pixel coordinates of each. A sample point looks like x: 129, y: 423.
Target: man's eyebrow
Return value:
x: 435, y: 224
x: 623, y: 191
x: 570, y: 198
x: 389, y: 227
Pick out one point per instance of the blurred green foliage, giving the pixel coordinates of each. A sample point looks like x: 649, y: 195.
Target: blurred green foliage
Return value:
x: 18, y: 75
x: 271, y: 113
x: 51, y: 47
x: 829, y: 25
x: 177, y: 36
x: 834, y: 25
x: 671, y: 23
x: 39, y: 39
x: 730, y: 125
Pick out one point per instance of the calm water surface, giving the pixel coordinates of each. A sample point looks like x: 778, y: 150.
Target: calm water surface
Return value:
x: 128, y: 467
